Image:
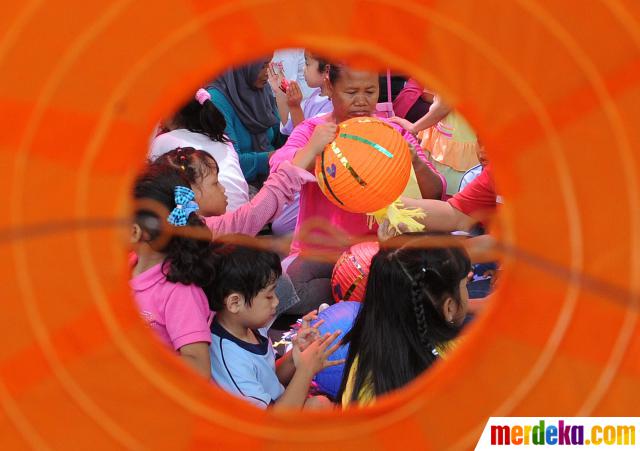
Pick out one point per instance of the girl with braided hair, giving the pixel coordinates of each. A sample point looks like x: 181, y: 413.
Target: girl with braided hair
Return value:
x: 414, y: 306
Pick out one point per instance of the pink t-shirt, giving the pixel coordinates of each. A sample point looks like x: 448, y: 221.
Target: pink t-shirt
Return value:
x: 179, y: 314
x: 314, y: 204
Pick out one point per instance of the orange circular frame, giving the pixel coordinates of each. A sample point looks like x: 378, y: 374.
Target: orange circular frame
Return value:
x: 552, y: 87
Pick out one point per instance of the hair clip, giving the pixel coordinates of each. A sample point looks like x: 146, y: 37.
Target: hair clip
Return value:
x: 185, y: 205
x: 202, y: 96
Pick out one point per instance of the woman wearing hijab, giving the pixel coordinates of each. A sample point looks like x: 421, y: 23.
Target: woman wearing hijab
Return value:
x: 249, y: 108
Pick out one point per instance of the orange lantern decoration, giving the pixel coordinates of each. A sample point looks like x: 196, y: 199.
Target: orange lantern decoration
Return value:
x: 350, y: 275
x: 77, y: 356
x: 366, y: 168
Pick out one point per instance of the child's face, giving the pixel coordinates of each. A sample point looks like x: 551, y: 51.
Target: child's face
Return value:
x: 263, y: 308
x: 210, y: 195
x: 312, y: 74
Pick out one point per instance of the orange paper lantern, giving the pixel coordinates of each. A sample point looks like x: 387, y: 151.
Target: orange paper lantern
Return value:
x: 366, y: 168
x: 80, y: 370
x: 350, y: 274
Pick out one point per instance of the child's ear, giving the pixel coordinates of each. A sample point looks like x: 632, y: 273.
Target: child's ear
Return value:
x: 136, y: 233
x: 234, y: 302
x: 327, y: 85
x: 449, y: 309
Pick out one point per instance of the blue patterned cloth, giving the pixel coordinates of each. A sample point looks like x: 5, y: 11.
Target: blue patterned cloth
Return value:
x: 185, y: 205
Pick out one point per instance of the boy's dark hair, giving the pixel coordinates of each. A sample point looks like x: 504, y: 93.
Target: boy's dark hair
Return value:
x: 205, y: 119
x: 401, y: 324
x: 192, y: 164
x: 243, y: 270
x: 188, y: 260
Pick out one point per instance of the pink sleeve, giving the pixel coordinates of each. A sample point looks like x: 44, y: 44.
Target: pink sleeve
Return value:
x: 298, y: 139
x: 187, y: 316
x: 279, y: 189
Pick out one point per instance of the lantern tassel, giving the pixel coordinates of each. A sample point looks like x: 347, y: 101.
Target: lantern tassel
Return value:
x: 397, y: 214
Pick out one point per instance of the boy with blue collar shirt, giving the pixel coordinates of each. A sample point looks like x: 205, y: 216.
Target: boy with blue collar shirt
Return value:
x: 242, y: 357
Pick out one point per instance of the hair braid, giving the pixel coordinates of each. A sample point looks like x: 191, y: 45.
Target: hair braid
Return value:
x: 417, y: 294
x: 418, y: 307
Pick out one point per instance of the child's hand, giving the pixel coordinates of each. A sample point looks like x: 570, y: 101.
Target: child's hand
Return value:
x: 294, y: 94
x: 386, y: 232
x: 323, y: 135
x: 408, y: 126
x: 307, y: 333
x: 314, y: 358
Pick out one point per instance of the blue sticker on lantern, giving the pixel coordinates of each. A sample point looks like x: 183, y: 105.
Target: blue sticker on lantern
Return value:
x: 331, y: 170
x: 338, y: 290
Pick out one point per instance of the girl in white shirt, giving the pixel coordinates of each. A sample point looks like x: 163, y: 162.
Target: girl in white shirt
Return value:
x: 200, y: 125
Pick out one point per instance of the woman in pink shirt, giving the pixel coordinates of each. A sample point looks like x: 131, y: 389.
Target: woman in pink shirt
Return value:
x: 353, y: 94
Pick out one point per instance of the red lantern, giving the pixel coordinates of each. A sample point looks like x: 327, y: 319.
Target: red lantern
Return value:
x: 349, y: 278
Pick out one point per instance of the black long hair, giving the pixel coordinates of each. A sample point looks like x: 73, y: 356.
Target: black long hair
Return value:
x: 188, y: 260
x: 205, y: 119
x: 400, y: 324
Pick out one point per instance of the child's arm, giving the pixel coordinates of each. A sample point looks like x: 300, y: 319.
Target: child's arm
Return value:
x: 250, y: 218
x: 437, y: 111
x: 294, y: 100
x: 307, y: 364
x: 197, y: 356
x: 440, y: 216
x: 279, y: 188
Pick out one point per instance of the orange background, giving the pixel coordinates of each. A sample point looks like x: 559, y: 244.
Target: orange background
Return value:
x: 553, y: 90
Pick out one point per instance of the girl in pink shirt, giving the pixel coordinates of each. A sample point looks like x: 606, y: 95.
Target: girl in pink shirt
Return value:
x: 169, y: 271
x: 200, y: 170
x: 353, y: 94
x: 175, y: 305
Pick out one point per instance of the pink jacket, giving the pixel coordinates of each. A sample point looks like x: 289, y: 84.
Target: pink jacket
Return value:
x: 278, y: 190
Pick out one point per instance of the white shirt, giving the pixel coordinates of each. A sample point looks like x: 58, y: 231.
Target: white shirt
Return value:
x: 314, y: 106
x: 230, y: 175
x: 244, y: 369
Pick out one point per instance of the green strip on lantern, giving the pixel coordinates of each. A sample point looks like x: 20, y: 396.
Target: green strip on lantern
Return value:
x: 376, y: 146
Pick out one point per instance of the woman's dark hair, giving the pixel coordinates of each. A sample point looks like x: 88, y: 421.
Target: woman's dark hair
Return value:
x: 188, y: 260
x: 205, y: 119
x: 400, y: 324
x: 192, y: 164
x: 241, y: 269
